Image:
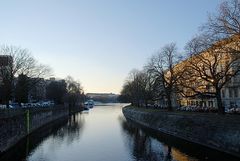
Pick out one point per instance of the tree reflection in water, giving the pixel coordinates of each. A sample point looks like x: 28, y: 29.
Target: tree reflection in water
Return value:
x: 142, y: 146
x: 147, y: 145
x: 72, y: 131
x: 64, y: 130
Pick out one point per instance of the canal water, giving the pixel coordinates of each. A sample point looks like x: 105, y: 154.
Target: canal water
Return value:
x: 103, y: 134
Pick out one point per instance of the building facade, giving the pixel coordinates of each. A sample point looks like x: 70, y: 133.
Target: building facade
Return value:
x: 221, y: 60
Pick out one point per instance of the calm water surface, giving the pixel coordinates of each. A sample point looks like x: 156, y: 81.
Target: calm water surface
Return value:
x: 103, y: 134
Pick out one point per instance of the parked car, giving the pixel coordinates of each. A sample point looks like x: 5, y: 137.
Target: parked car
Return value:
x: 234, y: 110
x: 89, y: 104
x: 3, y: 106
x: 15, y: 105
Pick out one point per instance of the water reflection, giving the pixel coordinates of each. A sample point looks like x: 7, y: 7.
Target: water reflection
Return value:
x: 51, y: 148
x: 145, y: 148
x: 146, y: 145
x: 103, y: 134
x: 56, y: 131
x: 72, y: 131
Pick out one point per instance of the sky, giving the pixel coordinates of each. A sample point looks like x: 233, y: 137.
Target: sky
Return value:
x: 99, y: 42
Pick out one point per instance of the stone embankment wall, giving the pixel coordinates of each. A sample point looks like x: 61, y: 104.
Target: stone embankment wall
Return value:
x: 15, y: 124
x: 218, y: 132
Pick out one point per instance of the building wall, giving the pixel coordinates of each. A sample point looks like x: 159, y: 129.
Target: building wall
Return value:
x: 38, y: 91
x: 231, y: 90
x: 231, y: 93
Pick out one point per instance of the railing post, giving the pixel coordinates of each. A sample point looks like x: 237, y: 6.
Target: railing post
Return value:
x: 27, y: 121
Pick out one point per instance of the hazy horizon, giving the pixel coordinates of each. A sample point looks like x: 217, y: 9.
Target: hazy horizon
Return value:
x: 99, y: 42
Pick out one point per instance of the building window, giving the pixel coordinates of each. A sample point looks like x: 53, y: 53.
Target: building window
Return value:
x: 210, y: 103
x: 204, y: 104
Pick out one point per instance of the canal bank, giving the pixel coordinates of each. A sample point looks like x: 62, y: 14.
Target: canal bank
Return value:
x: 16, y: 124
x: 25, y: 146
x: 214, y: 131
x: 103, y: 133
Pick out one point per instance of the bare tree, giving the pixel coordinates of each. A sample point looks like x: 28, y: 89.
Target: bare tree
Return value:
x: 214, y: 54
x: 145, y: 85
x: 209, y: 71
x: 56, y: 91
x: 16, y: 61
x: 125, y: 94
x: 75, y: 93
x: 137, y: 88
x: 132, y: 87
x: 162, y: 68
x: 226, y: 22
x: 149, y: 85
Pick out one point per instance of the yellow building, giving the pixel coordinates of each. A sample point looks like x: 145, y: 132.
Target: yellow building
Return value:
x: 201, y: 71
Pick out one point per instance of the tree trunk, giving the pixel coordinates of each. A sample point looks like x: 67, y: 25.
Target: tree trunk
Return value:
x: 7, y: 104
x: 146, y: 103
x: 8, y: 98
x: 221, y: 108
x: 169, y: 102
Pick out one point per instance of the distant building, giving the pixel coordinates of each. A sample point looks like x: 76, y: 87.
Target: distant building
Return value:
x: 53, y: 79
x: 103, y: 97
x: 5, y: 62
x: 38, y: 90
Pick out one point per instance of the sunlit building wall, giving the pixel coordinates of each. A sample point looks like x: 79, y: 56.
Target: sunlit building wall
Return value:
x: 230, y: 93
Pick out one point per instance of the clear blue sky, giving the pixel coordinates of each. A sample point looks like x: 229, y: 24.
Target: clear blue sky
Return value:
x: 99, y: 41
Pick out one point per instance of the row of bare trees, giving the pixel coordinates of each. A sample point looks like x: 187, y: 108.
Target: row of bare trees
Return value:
x: 67, y: 91
x: 157, y: 81
x: 19, y: 63
x: 20, y: 72
x: 212, y: 60
x: 75, y: 93
x: 138, y: 88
